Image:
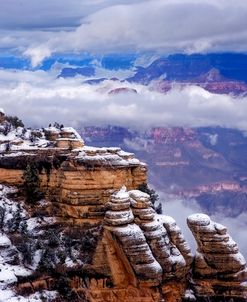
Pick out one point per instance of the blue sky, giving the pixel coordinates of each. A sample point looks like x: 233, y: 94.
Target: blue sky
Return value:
x: 108, y: 61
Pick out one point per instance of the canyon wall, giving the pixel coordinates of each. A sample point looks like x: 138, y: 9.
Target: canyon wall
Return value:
x: 102, y: 236
x: 82, y: 183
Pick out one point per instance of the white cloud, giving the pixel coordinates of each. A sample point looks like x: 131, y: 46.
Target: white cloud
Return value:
x: 39, y: 28
x: 213, y: 139
x: 37, y: 54
x: 120, y: 74
x: 38, y: 98
x: 160, y: 25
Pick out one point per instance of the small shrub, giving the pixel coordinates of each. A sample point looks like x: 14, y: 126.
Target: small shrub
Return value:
x: 47, y: 261
x: 53, y: 238
x: 65, y: 290
x: 23, y: 227
x: 7, y: 147
x: 14, y: 121
x: 154, y: 197
x: 7, y: 128
x: 158, y: 208
x: 25, y: 246
x: 82, y: 241
x: 2, y: 216
x: 14, y: 223
x: 57, y: 125
x: 32, y: 183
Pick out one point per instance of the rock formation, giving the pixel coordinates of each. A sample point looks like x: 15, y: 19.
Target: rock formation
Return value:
x: 145, y: 251
x: 219, y: 269
x: 77, y: 178
x: 2, y: 115
x: 90, y: 234
x: 122, y: 90
x: 150, y: 247
x: 119, y: 221
x: 175, y: 261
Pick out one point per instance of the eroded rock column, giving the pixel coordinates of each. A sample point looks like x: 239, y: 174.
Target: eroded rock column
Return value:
x: 219, y: 269
x: 175, y: 263
x: 133, y: 247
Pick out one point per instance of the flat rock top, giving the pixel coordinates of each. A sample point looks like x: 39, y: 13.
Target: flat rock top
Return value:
x: 139, y: 195
x: 105, y: 157
x: 122, y: 194
x: 4, y: 240
x: 198, y: 219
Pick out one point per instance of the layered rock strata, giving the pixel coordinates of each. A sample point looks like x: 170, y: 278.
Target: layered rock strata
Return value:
x: 81, y: 183
x: 150, y: 252
x: 173, y: 262
x: 119, y: 221
x: 65, y: 137
x: 77, y: 180
x: 146, y: 258
x: 145, y: 247
x: 133, y: 254
x: 219, y: 269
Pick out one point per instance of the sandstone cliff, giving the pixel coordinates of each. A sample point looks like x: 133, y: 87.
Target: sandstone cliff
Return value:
x: 219, y: 268
x: 90, y: 234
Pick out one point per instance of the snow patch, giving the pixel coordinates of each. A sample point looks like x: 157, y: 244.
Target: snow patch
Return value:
x: 4, y: 241
x: 199, y: 219
x: 122, y: 194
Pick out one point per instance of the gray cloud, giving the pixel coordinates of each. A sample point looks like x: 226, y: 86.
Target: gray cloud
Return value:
x: 38, y: 98
x: 39, y: 29
x: 160, y: 25
x: 52, y: 14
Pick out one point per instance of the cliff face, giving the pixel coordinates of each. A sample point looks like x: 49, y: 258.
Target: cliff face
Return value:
x: 219, y: 266
x: 82, y: 184
x: 78, y: 179
x: 90, y: 235
x: 206, y: 164
x: 207, y: 71
x: 136, y: 255
x: 151, y: 251
x: 147, y: 253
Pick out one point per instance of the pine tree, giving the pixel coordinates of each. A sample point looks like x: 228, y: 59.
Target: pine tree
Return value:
x: 23, y: 228
x: 47, y: 261
x: 2, y: 216
x: 31, y: 183
x: 14, y: 223
x: 154, y: 197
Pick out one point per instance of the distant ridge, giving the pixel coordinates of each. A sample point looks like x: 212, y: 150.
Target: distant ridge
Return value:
x: 182, y: 67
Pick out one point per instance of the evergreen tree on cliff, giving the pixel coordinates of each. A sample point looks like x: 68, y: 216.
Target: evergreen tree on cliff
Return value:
x: 31, y: 183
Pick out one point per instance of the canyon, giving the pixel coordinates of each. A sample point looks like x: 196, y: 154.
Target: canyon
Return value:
x: 75, y: 226
x: 216, y: 73
x: 206, y: 163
